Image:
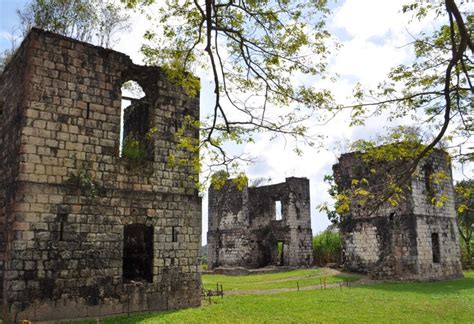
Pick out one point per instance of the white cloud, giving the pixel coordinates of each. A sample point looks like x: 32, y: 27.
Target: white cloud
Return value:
x: 374, y: 34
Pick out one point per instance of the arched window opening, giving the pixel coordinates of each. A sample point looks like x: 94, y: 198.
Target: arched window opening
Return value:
x: 135, y: 125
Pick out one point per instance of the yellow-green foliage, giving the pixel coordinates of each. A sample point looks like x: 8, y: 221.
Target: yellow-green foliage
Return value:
x: 219, y: 178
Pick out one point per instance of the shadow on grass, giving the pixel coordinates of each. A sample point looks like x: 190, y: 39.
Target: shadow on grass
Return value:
x: 344, y: 277
x: 133, y: 318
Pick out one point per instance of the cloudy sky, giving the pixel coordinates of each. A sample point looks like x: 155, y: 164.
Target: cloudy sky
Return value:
x: 374, y: 35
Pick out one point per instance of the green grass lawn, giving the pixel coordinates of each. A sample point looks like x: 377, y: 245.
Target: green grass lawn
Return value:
x: 431, y: 302
x: 288, y: 279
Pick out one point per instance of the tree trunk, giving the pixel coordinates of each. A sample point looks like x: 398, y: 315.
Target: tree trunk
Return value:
x: 470, y: 264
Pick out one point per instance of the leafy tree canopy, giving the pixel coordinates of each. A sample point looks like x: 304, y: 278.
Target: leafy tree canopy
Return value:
x: 464, y: 191
x: 259, y: 51
x: 256, y: 52
x: 94, y: 21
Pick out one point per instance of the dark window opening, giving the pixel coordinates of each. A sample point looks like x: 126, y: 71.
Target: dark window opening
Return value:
x: 278, y: 210
x: 435, y: 247
x: 88, y: 112
x: 61, y: 231
x: 428, y: 178
x: 138, y: 253
x: 391, y: 217
x: 62, y: 218
x: 136, y: 130
x: 2, y: 103
x: 298, y: 212
x: 176, y: 125
x: 174, y: 234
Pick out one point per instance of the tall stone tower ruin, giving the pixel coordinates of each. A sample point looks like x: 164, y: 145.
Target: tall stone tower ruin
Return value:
x: 83, y: 231
x: 260, y: 226
x: 409, y: 238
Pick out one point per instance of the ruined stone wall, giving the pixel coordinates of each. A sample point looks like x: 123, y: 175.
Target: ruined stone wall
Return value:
x: 227, y: 236
x: 436, y: 219
x: 393, y: 240
x: 243, y: 229
x: 74, y: 195
x: 12, y: 116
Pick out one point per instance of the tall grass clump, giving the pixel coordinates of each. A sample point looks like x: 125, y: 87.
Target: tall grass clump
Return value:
x: 327, y: 247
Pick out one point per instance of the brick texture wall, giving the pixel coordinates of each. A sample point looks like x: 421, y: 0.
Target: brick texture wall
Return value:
x: 68, y: 194
x: 394, y: 241
x: 243, y: 230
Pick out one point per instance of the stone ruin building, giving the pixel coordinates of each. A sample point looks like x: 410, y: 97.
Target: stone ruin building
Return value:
x: 84, y: 232
x: 414, y: 240
x: 260, y: 226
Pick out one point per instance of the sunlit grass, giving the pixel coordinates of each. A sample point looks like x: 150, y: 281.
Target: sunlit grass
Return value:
x: 429, y: 302
x: 288, y: 279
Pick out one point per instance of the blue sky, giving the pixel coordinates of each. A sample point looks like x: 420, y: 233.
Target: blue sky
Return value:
x: 9, y: 20
x: 373, y: 34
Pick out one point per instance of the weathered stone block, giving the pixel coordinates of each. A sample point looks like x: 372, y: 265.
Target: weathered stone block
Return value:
x: 60, y: 132
x: 413, y: 240
x: 244, y: 229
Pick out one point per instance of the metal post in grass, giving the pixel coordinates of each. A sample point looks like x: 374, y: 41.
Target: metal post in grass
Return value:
x: 222, y: 292
x: 298, y: 286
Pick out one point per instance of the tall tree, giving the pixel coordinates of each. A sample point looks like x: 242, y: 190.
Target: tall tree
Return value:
x: 436, y: 89
x: 465, y: 213
x: 257, y: 53
x: 93, y: 21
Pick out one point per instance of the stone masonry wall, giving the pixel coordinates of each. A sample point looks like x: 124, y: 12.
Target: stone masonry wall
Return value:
x: 73, y: 195
x: 12, y: 116
x: 394, y: 240
x: 243, y: 230
x: 436, y: 219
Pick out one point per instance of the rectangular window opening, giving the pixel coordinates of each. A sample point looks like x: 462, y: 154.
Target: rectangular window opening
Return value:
x: 88, y: 112
x: 138, y: 253
x: 278, y: 210
x: 280, y: 249
x: 435, y: 247
x: 62, y: 218
x: 174, y: 234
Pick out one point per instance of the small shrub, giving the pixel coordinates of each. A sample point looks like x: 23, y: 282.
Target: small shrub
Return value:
x: 327, y: 247
x: 84, y: 182
x: 137, y: 150
x: 134, y: 149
